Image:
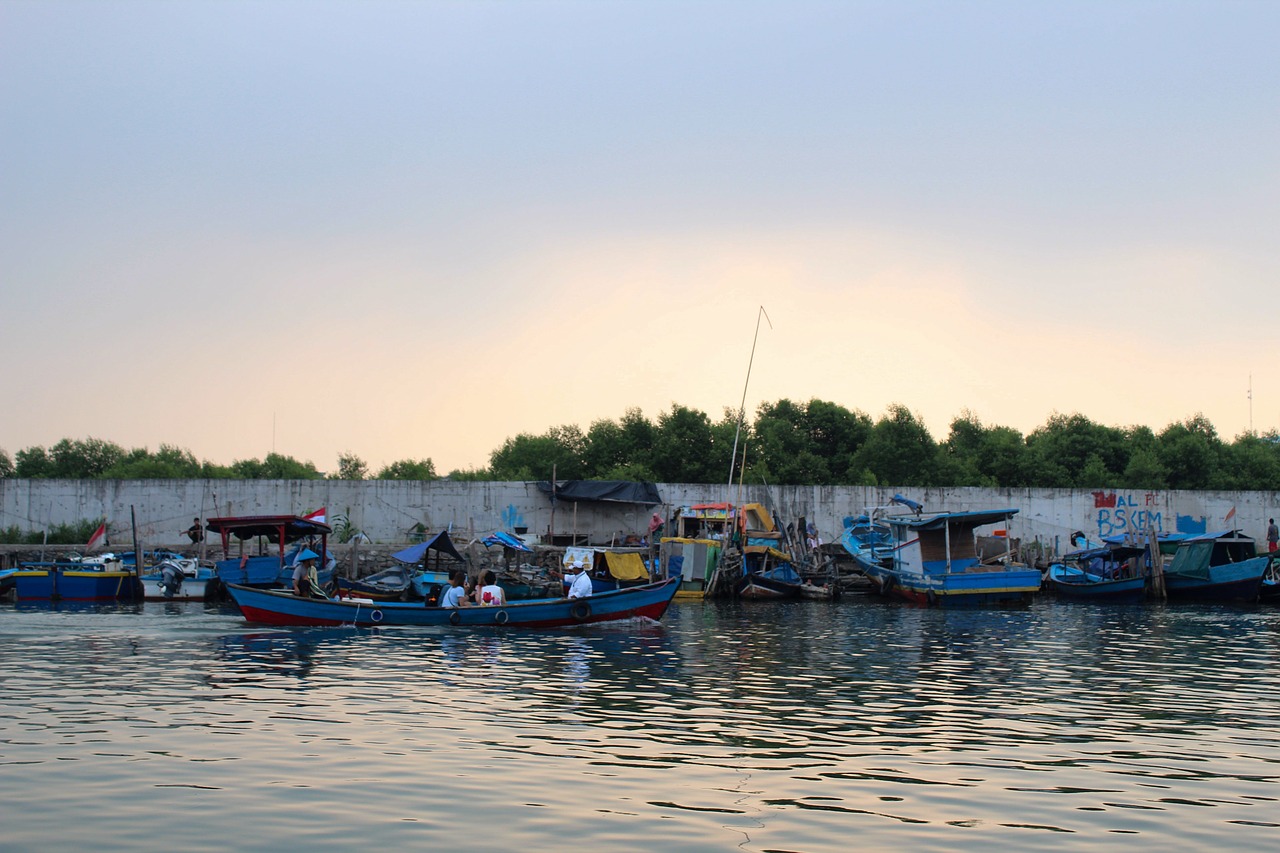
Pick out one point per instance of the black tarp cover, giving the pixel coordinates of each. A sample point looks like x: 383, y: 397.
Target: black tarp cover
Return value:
x: 615, y: 491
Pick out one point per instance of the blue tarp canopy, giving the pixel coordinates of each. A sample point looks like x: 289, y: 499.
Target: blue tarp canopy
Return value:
x: 440, y: 542
x: 506, y: 540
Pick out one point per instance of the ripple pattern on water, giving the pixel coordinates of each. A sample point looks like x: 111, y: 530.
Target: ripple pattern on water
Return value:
x: 760, y: 727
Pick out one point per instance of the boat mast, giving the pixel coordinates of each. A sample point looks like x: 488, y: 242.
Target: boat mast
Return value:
x: 742, y: 408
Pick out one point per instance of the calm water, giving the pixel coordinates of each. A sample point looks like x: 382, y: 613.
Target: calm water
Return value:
x: 773, y: 727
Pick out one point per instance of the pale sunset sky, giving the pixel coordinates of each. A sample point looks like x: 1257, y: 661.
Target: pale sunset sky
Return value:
x: 415, y: 229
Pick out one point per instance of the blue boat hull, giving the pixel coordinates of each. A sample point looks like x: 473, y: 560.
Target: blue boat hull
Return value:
x: 58, y: 583
x: 1081, y: 586
x: 965, y: 589
x: 1230, y: 582
x: 265, y: 572
x: 275, y: 607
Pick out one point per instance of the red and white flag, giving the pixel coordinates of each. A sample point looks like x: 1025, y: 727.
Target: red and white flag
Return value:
x: 1230, y: 515
x: 99, y: 535
x: 318, y: 515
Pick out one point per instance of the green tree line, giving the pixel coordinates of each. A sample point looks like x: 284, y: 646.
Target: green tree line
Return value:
x: 787, y: 443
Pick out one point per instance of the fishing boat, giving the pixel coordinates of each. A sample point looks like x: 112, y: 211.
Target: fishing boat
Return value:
x: 1221, y: 566
x: 768, y: 575
x: 391, y: 584
x: 939, y: 562
x: 178, y: 578
x: 277, y: 607
x: 1112, y: 573
x: 169, y: 576
x: 768, y: 572
x: 609, y: 569
x: 264, y: 569
x: 76, y: 580
x: 693, y: 553
x: 1270, y: 591
x: 430, y: 573
x: 869, y: 539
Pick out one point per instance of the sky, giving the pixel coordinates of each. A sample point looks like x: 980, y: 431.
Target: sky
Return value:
x: 413, y: 230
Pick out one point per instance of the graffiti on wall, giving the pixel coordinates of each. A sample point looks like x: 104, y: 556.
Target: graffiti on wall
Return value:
x: 512, y: 518
x: 1137, y: 511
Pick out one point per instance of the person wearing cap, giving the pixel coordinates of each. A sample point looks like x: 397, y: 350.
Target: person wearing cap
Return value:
x: 305, y: 582
x: 582, y: 583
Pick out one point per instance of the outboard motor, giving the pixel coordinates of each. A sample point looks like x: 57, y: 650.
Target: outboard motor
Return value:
x: 170, y: 579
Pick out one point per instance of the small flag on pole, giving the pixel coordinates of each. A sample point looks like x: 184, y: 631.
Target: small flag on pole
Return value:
x: 99, y: 535
x: 1230, y: 515
x: 317, y: 516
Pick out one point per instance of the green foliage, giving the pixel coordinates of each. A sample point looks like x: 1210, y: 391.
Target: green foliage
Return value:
x: 343, y: 530
x: 169, y: 462
x: 69, y: 459
x: 900, y: 451
x: 788, y: 443
x: 685, y: 447
x: 275, y: 467
x: 350, y: 467
x: 529, y: 457
x: 76, y: 533
x: 408, y: 469
x: 471, y: 475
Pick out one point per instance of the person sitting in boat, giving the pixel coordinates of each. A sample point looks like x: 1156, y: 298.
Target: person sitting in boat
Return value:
x: 581, y: 587
x: 305, y: 582
x: 489, y: 594
x: 456, y: 594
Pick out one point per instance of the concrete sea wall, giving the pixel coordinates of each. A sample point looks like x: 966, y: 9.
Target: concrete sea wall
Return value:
x: 390, y: 511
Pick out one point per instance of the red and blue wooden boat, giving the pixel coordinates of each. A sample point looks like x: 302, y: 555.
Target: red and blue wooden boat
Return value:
x: 268, y: 570
x: 277, y: 607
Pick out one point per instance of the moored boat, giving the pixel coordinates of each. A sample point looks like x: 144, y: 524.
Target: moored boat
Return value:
x: 1111, y: 573
x: 939, y: 563
x: 608, y: 569
x: 430, y: 574
x: 76, y: 581
x: 277, y: 607
x: 263, y: 569
x: 391, y: 584
x: 178, y: 578
x: 1221, y: 566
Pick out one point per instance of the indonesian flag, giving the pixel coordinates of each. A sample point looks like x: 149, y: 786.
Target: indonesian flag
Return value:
x: 99, y: 535
x: 1230, y: 515
x: 317, y: 516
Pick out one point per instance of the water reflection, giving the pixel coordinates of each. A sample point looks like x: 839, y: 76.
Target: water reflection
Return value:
x: 789, y: 726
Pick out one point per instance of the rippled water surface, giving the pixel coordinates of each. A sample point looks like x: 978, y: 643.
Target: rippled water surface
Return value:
x: 798, y: 726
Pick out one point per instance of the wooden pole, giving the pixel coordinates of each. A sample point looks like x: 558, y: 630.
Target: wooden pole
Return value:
x: 551, y: 531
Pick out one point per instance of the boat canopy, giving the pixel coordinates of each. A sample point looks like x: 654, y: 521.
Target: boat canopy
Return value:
x: 292, y: 527
x: 1198, y: 554
x: 1111, y: 552
x: 609, y: 491
x: 966, y: 519
x: 625, y: 567
x: 440, y: 542
x: 506, y: 540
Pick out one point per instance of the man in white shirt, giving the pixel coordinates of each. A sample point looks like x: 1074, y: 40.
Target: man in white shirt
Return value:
x: 582, y: 583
